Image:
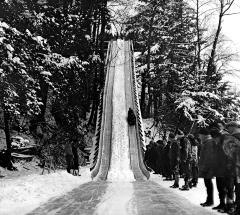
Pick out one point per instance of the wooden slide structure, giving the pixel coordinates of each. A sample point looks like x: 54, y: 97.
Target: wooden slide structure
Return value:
x: 100, y: 158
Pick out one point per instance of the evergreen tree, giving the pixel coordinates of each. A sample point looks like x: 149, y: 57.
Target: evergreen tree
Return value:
x: 61, y: 46
x: 172, y: 70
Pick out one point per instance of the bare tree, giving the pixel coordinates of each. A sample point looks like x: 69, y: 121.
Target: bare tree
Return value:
x: 224, y: 7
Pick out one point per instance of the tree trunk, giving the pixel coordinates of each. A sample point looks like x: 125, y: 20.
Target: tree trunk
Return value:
x: 95, y: 114
x: 198, y: 38
x: 8, y: 139
x: 178, y: 123
x: 7, y: 130
x: 102, y: 38
x: 94, y: 68
x: 211, y: 65
x: 150, y: 100
x: 155, y: 107
x: 44, y: 95
x: 145, y: 73
x: 92, y: 112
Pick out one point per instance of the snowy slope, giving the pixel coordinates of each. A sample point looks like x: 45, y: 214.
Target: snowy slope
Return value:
x: 23, y: 194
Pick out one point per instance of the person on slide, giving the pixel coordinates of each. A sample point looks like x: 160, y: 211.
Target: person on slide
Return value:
x: 131, y: 117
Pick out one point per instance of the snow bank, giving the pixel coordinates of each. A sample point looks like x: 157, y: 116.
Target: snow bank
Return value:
x: 24, y: 194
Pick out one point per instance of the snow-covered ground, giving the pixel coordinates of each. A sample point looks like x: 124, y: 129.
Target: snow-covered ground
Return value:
x: 24, y: 194
x: 117, y: 200
x: 195, y: 195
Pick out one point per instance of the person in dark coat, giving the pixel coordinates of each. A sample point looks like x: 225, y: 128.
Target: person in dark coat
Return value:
x: 147, y: 157
x: 224, y: 171
x: 69, y: 156
x: 185, y: 157
x: 166, y: 160
x: 154, y: 156
x: 234, y: 130
x: 131, y: 117
x: 194, y: 160
x: 75, y: 160
x: 159, y: 162
x: 174, y: 159
x: 206, y: 164
x: 151, y: 156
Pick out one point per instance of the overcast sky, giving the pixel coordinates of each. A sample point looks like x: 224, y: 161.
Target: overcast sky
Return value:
x: 231, y: 28
x: 232, y: 23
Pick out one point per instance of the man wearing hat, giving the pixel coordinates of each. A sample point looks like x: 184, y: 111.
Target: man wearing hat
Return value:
x: 224, y: 169
x: 206, y: 162
x: 174, y: 159
x: 185, y: 157
x: 234, y: 130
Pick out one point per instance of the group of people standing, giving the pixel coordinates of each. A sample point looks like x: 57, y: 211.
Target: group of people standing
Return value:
x: 175, y: 158
x: 213, y: 152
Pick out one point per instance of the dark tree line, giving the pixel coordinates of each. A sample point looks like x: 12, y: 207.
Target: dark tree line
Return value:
x: 52, y: 65
x: 57, y: 49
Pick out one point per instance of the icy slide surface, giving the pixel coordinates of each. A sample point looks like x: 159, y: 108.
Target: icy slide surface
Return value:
x: 120, y: 161
x: 117, y: 150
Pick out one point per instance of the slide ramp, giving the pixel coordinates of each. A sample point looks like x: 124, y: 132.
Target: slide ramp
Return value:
x: 120, y: 91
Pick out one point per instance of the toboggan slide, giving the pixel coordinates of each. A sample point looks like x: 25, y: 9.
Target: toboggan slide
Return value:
x: 119, y: 58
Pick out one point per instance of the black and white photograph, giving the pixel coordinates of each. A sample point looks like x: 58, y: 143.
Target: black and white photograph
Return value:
x: 119, y: 107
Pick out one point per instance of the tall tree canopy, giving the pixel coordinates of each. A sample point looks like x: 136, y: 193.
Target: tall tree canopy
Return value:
x: 52, y: 60
x: 173, y: 74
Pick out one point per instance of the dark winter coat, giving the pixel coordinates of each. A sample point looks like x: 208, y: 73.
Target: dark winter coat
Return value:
x: 69, y: 156
x: 223, y: 164
x: 159, y: 161
x: 166, y: 160
x: 154, y: 156
x: 185, y: 149
x: 167, y: 151
x: 151, y: 156
x: 75, y: 157
x: 147, y: 154
x: 68, y: 149
x: 237, y: 159
x: 206, y: 161
x: 174, y: 153
x: 131, y: 117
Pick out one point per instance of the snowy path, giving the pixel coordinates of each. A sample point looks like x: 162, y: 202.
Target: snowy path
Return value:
x: 117, y: 200
x: 103, y: 198
x: 194, y: 196
x: 152, y: 198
